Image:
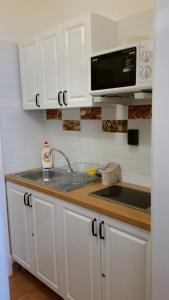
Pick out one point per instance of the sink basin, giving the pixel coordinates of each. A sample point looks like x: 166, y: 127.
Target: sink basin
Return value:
x: 40, y: 175
x: 60, y: 178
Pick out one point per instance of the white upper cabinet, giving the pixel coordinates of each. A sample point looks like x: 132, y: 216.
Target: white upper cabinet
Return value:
x: 55, y: 67
x: 76, y: 62
x: 50, y: 63
x: 82, y: 37
x: 29, y: 74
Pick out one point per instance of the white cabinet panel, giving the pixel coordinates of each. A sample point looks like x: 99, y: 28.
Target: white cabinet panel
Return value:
x: 46, y: 241
x: 125, y: 253
x: 29, y: 74
x: 81, y: 254
x: 19, y: 219
x: 50, y: 67
x: 76, y: 62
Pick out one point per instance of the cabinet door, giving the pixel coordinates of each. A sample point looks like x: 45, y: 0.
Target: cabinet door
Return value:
x: 46, y: 240
x: 125, y: 262
x: 76, y: 62
x: 51, y: 67
x: 19, y: 220
x: 29, y: 75
x: 81, y: 254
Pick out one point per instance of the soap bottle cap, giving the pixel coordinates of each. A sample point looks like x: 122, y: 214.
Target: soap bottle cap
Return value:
x: 46, y: 144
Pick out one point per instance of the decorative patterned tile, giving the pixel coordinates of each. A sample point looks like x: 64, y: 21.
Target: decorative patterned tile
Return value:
x: 73, y: 125
x: 54, y: 114
x: 140, y: 112
x: 91, y: 113
x: 114, y: 125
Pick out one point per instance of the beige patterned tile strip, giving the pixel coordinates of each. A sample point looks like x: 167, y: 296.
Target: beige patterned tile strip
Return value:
x: 140, y: 112
x: 114, y: 125
x: 71, y: 125
x: 54, y: 114
x: 91, y: 113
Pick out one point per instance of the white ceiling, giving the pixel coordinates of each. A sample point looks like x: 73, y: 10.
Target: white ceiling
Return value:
x: 21, y: 18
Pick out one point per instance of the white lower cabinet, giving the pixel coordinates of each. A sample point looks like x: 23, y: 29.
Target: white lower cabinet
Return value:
x: 19, y: 223
x: 35, y: 234
x: 80, y: 254
x: 46, y: 240
x: 125, y: 259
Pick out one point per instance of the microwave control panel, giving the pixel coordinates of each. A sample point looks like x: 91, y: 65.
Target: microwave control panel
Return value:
x: 146, y: 61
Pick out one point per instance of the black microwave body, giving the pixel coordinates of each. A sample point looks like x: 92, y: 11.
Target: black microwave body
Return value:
x: 114, y: 70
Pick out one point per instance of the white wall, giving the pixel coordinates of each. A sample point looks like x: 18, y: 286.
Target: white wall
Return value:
x: 4, y: 241
x: 160, y: 201
x: 20, y: 18
x: 140, y: 24
x: 93, y: 145
x: 22, y: 132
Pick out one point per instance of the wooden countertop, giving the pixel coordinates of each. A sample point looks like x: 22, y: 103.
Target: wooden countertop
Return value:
x: 81, y: 197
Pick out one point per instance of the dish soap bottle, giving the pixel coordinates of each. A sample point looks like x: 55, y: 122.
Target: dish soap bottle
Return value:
x: 46, y: 156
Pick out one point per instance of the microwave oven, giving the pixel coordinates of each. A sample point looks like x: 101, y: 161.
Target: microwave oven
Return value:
x: 124, y: 69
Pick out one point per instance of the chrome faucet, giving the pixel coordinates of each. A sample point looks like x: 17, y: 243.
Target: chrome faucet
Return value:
x: 63, y: 154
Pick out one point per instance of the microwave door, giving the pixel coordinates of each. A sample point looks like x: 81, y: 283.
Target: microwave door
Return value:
x: 114, y: 70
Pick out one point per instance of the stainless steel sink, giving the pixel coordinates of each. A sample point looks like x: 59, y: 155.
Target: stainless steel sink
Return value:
x: 40, y: 175
x: 60, y: 178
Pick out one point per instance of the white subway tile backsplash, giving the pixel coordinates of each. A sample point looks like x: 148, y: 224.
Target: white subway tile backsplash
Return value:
x: 93, y: 145
x: 137, y: 179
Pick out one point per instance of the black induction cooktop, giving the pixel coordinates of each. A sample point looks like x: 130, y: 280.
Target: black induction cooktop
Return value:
x: 125, y: 196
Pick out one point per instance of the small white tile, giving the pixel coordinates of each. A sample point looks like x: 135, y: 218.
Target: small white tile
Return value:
x: 121, y: 112
x: 115, y: 112
x: 71, y: 114
x: 109, y: 113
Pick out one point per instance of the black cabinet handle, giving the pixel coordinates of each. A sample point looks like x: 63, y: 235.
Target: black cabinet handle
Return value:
x: 64, y: 98
x: 101, y: 230
x: 25, y: 199
x: 94, y: 231
x: 29, y: 200
x: 36, y: 100
x: 60, y: 92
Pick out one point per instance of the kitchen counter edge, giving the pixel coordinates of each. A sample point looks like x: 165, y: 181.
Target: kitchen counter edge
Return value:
x: 81, y: 197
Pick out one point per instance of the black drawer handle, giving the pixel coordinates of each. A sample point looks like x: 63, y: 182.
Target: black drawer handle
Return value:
x: 101, y: 229
x: 64, y: 98
x: 59, y: 102
x: 25, y: 199
x: 29, y: 200
x: 94, y: 230
x: 36, y: 99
